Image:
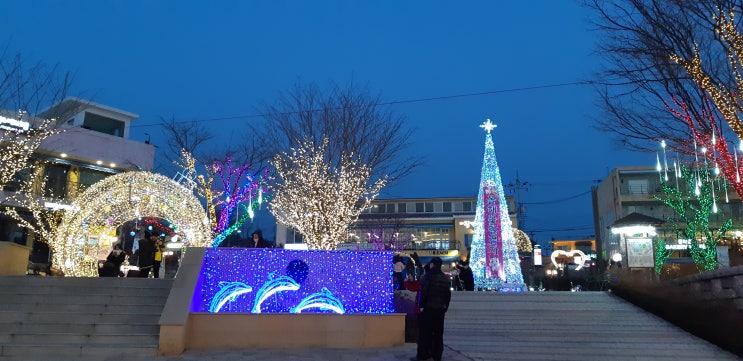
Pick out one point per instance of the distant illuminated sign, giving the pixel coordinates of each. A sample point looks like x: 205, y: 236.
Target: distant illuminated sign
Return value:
x: 13, y: 124
x: 537, y: 256
x: 578, y: 257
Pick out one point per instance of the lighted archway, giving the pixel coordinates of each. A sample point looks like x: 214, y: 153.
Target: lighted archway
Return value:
x: 115, y: 200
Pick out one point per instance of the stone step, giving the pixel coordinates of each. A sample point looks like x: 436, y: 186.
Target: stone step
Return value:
x: 63, y: 352
x: 81, y: 328
x: 84, y: 307
x: 85, y: 281
x: 62, y: 338
x: 51, y: 298
x: 48, y: 338
x: 115, y: 316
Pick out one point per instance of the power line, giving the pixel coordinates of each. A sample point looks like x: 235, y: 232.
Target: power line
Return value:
x: 394, y: 102
x: 559, y: 200
x: 574, y: 228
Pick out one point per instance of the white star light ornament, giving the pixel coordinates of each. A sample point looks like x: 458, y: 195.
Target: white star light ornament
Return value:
x: 488, y: 126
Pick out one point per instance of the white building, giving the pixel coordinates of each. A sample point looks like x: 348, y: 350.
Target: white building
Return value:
x: 95, y: 144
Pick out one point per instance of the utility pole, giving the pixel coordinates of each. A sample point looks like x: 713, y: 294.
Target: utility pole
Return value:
x: 516, y: 188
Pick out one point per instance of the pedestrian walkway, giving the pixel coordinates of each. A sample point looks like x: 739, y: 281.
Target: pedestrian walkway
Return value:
x: 525, y: 326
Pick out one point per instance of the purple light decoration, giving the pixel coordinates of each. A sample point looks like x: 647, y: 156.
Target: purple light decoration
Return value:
x: 493, y: 243
x: 238, y: 186
x: 294, y: 281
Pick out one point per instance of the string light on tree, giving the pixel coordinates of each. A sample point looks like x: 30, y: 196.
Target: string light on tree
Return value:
x: 693, y: 203
x: 18, y: 143
x: 708, y: 141
x: 317, y: 199
x: 494, y: 259
x: 238, y: 187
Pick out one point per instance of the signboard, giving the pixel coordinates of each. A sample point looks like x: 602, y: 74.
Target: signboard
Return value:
x: 640, y: 252
x: 13, y: 124
x: 537, y: 256
x: 723, y: 258
x: 493, y: 237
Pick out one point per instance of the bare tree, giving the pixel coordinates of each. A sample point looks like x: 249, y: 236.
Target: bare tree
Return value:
x: 194, y: 138
x: 30, y: 86
x: 27, y: 89
x: 350, y: 117
x: 639, y: 38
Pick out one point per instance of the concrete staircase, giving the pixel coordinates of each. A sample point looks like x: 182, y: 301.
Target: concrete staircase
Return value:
x: 564, y: 326
x: 68, y: 318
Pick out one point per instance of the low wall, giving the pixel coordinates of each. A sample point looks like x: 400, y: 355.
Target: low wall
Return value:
x: 13, y: 259
x: 725, y: 284
x: 183, y: 327
x: 219, y: 330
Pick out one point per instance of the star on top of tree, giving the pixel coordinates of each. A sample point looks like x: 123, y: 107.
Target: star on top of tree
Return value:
x: 488, y: 126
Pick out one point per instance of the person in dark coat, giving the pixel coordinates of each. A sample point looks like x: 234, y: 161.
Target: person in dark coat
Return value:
x: 112, y: 266
x: 258, y: 241
x: 466, y: 277
x: 146, y: 254
x: 433, y: 302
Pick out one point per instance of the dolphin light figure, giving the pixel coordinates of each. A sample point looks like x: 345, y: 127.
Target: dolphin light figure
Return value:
x: 279, y: 284
x: 228, y: 293
x: 323, y: 300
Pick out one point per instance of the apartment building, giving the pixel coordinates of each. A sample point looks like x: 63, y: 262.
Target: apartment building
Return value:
x: 630, y: 193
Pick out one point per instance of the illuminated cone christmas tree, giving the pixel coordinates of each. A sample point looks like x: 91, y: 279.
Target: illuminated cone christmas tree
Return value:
x: 494, y: 258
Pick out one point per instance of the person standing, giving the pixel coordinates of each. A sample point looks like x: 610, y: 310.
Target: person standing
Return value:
x: 146, y: 254
x: 466, y: 276
x: 433, y: 302
x: 397, y: 272
x: 158, y: 259
x: 258, y: 241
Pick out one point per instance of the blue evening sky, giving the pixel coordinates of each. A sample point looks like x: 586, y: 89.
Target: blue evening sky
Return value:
x: 199, y: 60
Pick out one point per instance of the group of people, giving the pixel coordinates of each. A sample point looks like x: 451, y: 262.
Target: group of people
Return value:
x: 149, y: 255
x: 149, y: 258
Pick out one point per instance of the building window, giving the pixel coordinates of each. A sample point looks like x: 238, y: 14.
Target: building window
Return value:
x: 402, y: 207
x: 429, y: 207
x: 458, y: 207
x: 411, y: 207
x: 467, y: 206
x: 88, y: 177
x: 103, y: 124
x: 18, y: 180
x: 419, y: 207
x: 446, y: 207
x: 638, y: 186
x: 56, y: 180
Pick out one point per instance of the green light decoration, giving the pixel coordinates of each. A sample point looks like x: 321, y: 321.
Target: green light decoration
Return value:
x: 661, y: 255
x: 693, y: 208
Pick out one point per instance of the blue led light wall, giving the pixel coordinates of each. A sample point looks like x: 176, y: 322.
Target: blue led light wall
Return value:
x: 265, y: 280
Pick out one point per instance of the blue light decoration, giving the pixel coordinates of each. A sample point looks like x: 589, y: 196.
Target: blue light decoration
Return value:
x: 229, y: 291
x: 294, y: 281
x: 494, y: 258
